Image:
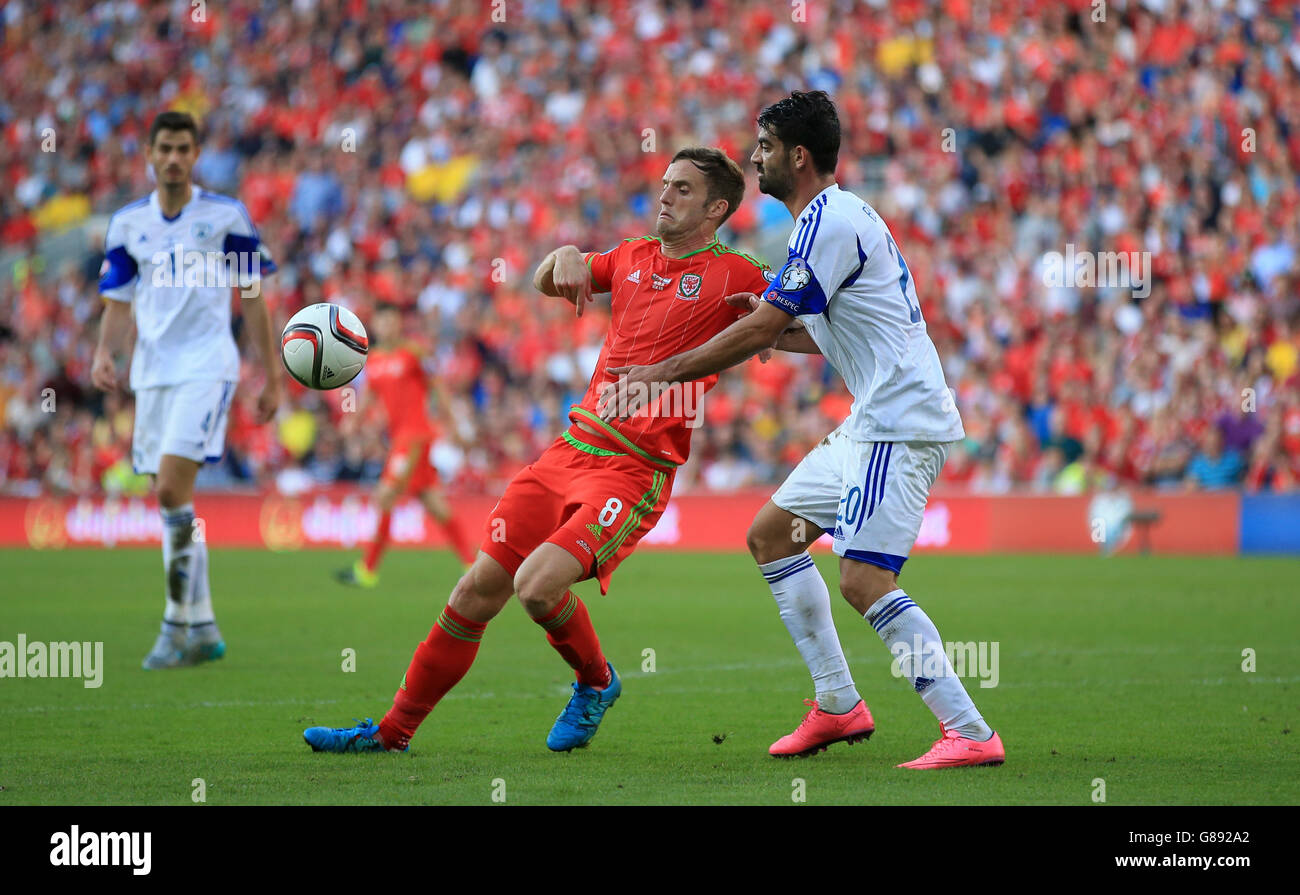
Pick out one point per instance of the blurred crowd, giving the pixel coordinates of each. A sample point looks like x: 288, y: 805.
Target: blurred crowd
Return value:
x: 430, y: 154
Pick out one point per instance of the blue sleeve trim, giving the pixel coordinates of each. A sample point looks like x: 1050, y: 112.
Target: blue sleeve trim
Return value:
x: 795, y: 289
x: 237, y: 243
x: 121, y: 271
x: 250, y: 245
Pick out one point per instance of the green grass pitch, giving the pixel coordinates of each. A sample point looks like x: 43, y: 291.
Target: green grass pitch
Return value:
x: 1124, y: 669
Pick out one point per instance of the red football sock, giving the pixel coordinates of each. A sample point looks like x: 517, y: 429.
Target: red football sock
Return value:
x: 456, y: 537
x: 438, y: 665
x: 376, y: 546
x: 568, y: 629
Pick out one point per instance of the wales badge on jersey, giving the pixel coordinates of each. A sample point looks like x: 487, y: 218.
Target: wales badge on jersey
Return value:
x: 689, y: 287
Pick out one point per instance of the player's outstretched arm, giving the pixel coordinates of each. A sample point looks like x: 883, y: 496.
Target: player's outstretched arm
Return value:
x: 564, y: 274
x: 258, y: 316
x: 796, y: 340
x: 740, y: 341
x: 114, y: 326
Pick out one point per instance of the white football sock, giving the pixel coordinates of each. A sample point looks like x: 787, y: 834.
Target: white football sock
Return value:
x: 904, y: 627
x: 200, y: 595
x: 178, y: 557
x: 805, y: 606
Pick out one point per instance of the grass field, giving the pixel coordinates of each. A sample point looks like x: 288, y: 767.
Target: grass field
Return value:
x: 1124, y: 669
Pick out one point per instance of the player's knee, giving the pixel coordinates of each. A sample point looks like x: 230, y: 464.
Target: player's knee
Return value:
x: 533, y: 595
x: 866, y: 585
x: 489, y: 577
x: 544, y: 577
x: 171, y: 495
x: 481, y: 592
x: 538, y: 592
x: 765, y: 544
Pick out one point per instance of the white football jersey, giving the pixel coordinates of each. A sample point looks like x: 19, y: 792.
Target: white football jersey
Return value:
x: 849, y: 286
x: 178, y: 274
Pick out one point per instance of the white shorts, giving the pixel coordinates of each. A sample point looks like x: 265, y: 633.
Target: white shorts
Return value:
x: 186, y: 420
x: 868, y: 496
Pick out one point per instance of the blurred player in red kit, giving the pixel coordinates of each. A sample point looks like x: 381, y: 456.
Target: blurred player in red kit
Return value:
x: 394, y: 373
x: 582, y: 507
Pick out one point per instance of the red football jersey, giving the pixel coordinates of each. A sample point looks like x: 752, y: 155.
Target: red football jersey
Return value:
x: 663, y: 306
x: 397, y: 377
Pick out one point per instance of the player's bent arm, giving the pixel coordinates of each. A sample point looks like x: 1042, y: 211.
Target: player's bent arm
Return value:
x: 544, y: 278
x: 740, y: 341
x: 797, y: 340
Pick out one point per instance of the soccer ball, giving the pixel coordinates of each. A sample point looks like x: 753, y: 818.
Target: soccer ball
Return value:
x: 324, y: 346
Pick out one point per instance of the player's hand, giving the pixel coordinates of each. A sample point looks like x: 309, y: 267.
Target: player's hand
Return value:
x: 621, y: 398
x: 572, y: 279
x: 103, y: 373
x: 743, y: 300
x: 269, y: 401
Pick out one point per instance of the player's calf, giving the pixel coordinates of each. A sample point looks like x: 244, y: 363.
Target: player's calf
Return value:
x: 912, y: 638
x: 569, y: 631
x: 439, y: 663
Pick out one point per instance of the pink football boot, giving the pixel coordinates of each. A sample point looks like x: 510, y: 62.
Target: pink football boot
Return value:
x: 820, y: 729
x: 952, y: 750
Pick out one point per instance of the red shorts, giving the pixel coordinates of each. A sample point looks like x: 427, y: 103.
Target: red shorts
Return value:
x: 409, y: 460
x: 585, y: 494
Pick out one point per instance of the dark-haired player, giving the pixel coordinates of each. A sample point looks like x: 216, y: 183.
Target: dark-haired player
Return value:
x: 172, y: 260
x: 845, y: 292
x: 581, y: 508
x: 395, y: 374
